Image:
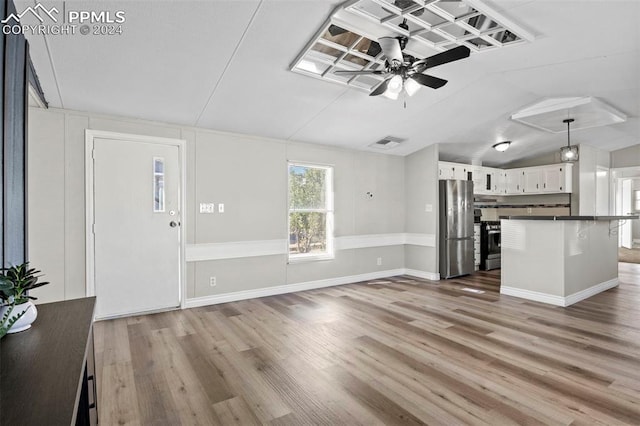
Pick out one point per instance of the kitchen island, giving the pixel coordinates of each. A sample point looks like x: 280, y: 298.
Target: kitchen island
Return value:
x: 559, y: 260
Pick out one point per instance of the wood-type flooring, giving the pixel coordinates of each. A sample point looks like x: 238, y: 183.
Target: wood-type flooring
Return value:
x: 400, y: 350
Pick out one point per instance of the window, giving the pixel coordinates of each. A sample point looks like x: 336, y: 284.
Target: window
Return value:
x: 310, y: 212
x: 636, y: 200
x: 158, y: 185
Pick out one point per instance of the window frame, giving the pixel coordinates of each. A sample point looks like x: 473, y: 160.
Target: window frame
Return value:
x: 329, y: 211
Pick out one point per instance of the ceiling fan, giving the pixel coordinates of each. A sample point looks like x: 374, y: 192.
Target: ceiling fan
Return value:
x: 403, y: 71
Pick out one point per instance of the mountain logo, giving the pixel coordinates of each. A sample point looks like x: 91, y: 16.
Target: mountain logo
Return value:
x: 35, y: 11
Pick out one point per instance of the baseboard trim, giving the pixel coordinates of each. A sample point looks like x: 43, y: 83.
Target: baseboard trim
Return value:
x: 532, y: 295
x: 433, y: 276
x: 591, y: 291
x: 559, y: 300
x: 289, y: 288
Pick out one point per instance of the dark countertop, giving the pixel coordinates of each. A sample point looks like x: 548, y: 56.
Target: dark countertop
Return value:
x: 590, y: 218
x: 42, y: 367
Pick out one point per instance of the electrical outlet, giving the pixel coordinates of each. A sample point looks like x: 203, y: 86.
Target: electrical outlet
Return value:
x: 529, y: 210
x: 220, y: 208
x: 212, y: 281
x: 379, y: 261
x: 428, y: 208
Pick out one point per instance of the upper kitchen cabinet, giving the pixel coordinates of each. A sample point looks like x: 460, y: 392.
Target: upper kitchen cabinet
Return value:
x: 493, y: 181
x: 479, y: 178
x: 531, y: 180
x: 557, y: 178
x: 551, y: 179
x: 454, y: 171
x: 513, y: 181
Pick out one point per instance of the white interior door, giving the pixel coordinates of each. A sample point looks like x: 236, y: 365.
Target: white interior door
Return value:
x: 626, y: 230
x: 136, y: 201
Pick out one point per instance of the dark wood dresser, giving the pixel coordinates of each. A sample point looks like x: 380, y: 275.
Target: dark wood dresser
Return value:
x: 47, y: 372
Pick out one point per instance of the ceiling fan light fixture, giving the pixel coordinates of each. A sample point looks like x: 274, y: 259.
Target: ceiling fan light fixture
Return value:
x: 502, y: 146
x: 411, y: 86
x: 569, y: 154
x: 395, y: 84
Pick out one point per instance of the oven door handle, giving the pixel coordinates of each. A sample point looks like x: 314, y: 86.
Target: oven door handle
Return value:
x: 493, y: 232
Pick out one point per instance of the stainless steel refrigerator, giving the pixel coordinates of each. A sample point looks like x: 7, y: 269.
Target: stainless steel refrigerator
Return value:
x: 456, y: 228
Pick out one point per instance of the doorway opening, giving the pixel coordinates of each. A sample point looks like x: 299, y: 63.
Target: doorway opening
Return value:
x: 135, y: 232
x: 626, y: 191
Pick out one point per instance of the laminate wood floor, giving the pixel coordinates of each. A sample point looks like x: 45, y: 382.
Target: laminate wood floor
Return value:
x: 392, y: 351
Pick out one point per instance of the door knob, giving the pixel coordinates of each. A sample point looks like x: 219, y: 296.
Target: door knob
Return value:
x: 173, y: 224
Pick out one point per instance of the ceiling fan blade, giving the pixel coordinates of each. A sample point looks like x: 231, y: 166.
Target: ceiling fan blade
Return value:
x: 450, y: 55
x: 429, y: 81
x: 361, y: 72
x: 382, y: 87
x: 391, y: 48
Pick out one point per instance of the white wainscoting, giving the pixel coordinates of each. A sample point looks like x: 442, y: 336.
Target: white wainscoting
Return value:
x: 559, y: 300
x: 309, y: 285
x: 237, y: 249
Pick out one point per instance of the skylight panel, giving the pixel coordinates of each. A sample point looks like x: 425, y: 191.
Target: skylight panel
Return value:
x: 348, y: 40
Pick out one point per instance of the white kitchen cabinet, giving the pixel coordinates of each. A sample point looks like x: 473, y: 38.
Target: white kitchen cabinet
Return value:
x: 456, y: 171
x: 494, y: 181
x: 479, y: 180
x: 556, y: 178
x: 532, y: 180
x: 499, y: 182
x: 513, y: 181
x: 445, y: 170
x: 551, y: 179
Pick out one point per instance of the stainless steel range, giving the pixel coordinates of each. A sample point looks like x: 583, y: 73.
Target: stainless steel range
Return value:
x: 490, y: 245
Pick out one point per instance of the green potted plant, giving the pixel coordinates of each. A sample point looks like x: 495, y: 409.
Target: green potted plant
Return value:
x: 7, y: 321
x: 15, y: 284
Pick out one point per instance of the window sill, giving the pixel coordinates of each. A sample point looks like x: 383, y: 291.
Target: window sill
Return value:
x: 314, y: 258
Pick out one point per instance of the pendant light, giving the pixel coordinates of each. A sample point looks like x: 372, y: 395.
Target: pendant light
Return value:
x: 569, y: 154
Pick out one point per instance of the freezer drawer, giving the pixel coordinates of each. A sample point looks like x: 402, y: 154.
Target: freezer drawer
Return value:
x: 458, y: 259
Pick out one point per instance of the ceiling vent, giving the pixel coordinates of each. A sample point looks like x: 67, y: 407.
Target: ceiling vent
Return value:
x: 387, y: 143
x: 586, y: 111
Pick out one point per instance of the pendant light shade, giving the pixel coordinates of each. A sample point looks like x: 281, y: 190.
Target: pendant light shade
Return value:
x: 569, y: 154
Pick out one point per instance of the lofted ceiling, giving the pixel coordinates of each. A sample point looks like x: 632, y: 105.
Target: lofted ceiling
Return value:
x: 224, y: 65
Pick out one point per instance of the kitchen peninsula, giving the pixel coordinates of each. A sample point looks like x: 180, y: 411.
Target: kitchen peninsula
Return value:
x: 559, y: 260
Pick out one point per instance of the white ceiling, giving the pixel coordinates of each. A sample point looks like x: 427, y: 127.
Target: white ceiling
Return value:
x: 224, y: 65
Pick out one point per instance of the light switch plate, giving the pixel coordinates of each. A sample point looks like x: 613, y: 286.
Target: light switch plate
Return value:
x: 221, y: 208
x: 428, y: 208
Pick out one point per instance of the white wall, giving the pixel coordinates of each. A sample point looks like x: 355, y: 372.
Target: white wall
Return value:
x: 421, y: 189
x: 249, y: 175
x: 627, y: 157
x: 591, y: 192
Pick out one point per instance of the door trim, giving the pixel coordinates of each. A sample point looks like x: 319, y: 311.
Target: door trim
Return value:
x: 90, y: 136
